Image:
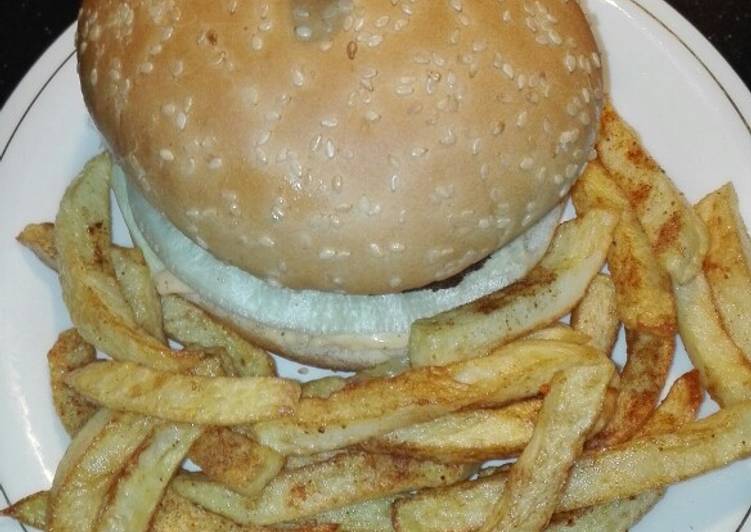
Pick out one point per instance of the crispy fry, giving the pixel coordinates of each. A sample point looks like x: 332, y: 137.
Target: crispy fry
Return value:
x: 677, y: 409
x: 70, y: 352
x: 467, y: 436
x: 185, y: 398
x: 596, y: 314
x: 649, y: 463
x: 90, y: 467
x: 39, y: 238
x: 617, y: 516
x: 31, y: 510
x: 676, y: 233
x: 323, y: 387
x: 363, y: 410
x: 190, y: 325
x: 300, y: 493
x: 90, y: 290
x: 235, y: 460
x: 725, y: 370
x: 133, y: 499
x: 178, y: 514
x: 547, y: 293
x: 368, y: 516
x: 642, y: 381
x: 537, y: 478
x: 643, y: 290
x: 138, y: 289
x: 728, y: 263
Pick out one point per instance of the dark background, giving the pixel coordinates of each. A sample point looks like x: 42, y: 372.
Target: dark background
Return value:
x: 30, y: 26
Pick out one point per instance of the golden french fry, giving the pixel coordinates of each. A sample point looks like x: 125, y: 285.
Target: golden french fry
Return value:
x: 536, y: 480
x: 304, y: 492
x: 647, y: 463
x: 466, y: 436
x: 677, y: 409
x: 643, y: 291
x: 725, y: 370
x: 138, y: 289
x: 368, y: 516
x: 728, y: 263
x: 190, y: 325
x: 133, y: 499
x: 178, y: 514
x: 642, y: 381
x: 90, y: 467
x: 617, y: 516
x: 90, y: 290
x: 69, y: 353
x: 363, y: 410
x: 596, y: 314
x: 548, y: 292
x: 323, y: 387
x: 185, y: 398
x: 39, y: 238
x: 30, y: 511
x: 235, y: 460
x: 678, y: 236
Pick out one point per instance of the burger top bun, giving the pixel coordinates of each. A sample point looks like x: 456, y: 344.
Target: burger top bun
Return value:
x: 361, y: 146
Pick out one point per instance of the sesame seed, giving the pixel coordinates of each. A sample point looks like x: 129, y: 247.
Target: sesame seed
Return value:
x: 330, y: 149
x: 304, y: 33
x: 329, y: 122
x: 419, y: 151
x: 166, y: 155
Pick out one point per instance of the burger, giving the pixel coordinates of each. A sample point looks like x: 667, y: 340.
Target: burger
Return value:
x: 321, y: 173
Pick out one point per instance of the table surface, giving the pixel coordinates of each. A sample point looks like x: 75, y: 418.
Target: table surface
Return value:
x: 30, y: 26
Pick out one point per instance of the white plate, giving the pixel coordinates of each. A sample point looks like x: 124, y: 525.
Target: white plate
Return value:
x: 691, y: 109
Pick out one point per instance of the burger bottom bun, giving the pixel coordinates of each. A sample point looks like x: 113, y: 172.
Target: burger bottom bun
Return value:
x: 323, y: 329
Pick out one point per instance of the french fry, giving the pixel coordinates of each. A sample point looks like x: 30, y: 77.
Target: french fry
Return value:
x: 725, y: 370
x: 185, y: 398
x: 617, y: 516
x: 648, y: 463
x: 547, y: 293
x: 464, y: 437
x: 30, y: 511
x: 677, y: 409
x: 139, y: 290
x: 90, y: 290
x: 676, y: 233
x: 39, y: 238
x: 728, y: 263
x: 133, y: 499
x: 178, y: 514
x: 643, y: 290
x: 596, y: 314
x: 364, y: 410
x: 323, y: 387
x: 304, y: 492
x: 368, y: 516
x: 190, y: 325
x: 235, y: 460
x: 70, y: 352
x: 644, y: 301
x: 642, y: 381
x: 90, y: 467
x: 537, y: 478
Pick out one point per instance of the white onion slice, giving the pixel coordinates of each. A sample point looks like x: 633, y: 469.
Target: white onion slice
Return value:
x: 238, y: 292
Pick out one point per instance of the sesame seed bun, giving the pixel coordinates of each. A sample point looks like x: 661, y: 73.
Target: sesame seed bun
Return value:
x: 336, y: 147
